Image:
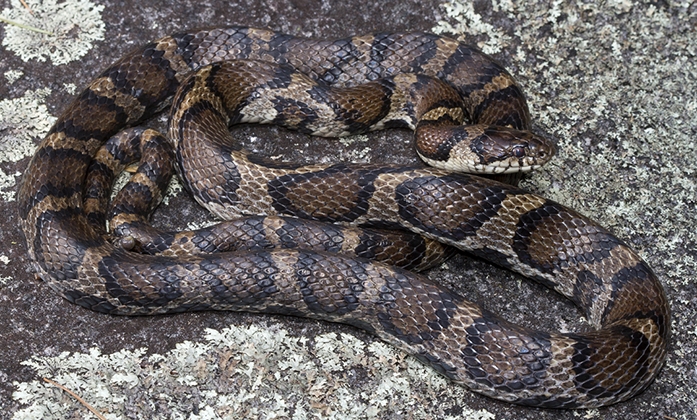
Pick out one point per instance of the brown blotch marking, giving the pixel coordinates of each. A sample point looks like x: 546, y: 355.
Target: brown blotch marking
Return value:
x: 500, y: 110
x: 176, y: 62
x: 496, y: 84
x: 59, y: 140
x: 94, y: 205
x: 143, y: 179
x: 235, y: 81
x: 427, y: 314
x: 508, y: 216
x: 466, y: 214
x: 49, y: 203
x: 634, y: 286
x: 649, y: 329
x: 610, y: 361
x: 206, y: 117
x: 151, y: 78
x: 445, y: 146
x: 430, y: 93
x: 63, y: 238
x: 141, y: 289
x: 446, y: 48
x: 430, y: 142
x: 105, y: 87
x: 364, y: 104
x: 61, y: 170
x: 543, y: 242
x: 597, y: 297
x: 478, y: 208
x: 108, y: 160
x: 306, y: 196
x: 98, y: 118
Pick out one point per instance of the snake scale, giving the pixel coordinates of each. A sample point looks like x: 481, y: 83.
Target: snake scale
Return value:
x: 508, y: 226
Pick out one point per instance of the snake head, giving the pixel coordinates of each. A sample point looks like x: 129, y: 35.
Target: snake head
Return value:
x: 482, y: 149
x: 507, y: 150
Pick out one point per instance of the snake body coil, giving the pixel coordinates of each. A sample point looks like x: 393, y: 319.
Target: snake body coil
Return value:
x: 524, y: 232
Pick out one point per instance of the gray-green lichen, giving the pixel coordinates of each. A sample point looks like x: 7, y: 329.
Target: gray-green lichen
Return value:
x: 13, y: 75
x: 464, y: 20
x: 262, y: 372
x: 75, y: 25
x: 21, y: 121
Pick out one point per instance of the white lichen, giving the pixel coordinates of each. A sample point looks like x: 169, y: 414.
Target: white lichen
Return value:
x: 21, y: 121
x: 262, y: 372
x: 13, y: 75
x: 464, y: 20
x: 74, y: 25
x: 71, y: 88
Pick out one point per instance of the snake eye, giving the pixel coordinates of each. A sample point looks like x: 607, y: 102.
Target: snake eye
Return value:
x: 518, y: 151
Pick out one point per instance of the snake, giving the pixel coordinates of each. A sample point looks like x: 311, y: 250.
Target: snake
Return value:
x: 617, y: 291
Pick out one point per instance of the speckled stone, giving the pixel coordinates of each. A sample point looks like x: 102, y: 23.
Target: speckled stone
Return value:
x: 614, y: 85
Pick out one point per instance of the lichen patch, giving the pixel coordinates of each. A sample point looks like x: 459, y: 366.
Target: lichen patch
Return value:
x: 251, y: 371
x: 74, y: 25
x: 21, y: 121
x: 13, y: 75
x: 463, y: 19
